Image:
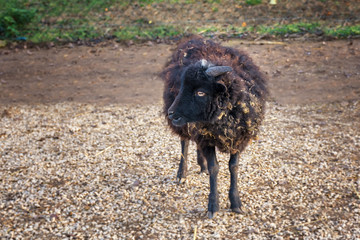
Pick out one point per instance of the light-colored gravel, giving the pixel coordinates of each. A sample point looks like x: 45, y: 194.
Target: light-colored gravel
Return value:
x: 84, y: 171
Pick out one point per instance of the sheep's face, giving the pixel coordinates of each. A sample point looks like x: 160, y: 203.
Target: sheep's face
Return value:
x: 198, y: 90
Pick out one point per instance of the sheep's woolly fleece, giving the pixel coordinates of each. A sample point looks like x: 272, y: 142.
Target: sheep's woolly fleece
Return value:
x: 85, y: 171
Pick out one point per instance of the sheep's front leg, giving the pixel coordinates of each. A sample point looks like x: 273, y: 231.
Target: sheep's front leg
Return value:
x: 234, y: 193
x: 213, y: 167
x: 181, y: 174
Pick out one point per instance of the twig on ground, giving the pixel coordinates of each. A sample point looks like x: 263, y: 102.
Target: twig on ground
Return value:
x: 101, y: 152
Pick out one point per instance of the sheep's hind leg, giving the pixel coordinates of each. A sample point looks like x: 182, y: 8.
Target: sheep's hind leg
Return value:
x: 182, y: 172
x: 234, y: 193
x: 213, y: 166
x: 202, y: 162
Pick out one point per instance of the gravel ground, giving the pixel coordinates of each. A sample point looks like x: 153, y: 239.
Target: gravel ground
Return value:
x: 78, y: 171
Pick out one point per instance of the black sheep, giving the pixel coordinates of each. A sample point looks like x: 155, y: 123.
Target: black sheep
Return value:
x: 215, y: 96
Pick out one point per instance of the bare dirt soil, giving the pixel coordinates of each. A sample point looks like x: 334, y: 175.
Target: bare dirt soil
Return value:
x: 298, y: 72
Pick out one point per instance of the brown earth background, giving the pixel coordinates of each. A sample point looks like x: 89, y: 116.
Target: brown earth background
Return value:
x: 298, y: 72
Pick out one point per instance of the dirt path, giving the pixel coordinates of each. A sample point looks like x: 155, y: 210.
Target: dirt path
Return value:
x: 299, y: 72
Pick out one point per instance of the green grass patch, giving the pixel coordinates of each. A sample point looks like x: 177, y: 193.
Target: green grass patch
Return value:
x: 253, y: 2
x: 289, y: 28
x: 228, y: 31
x: 14, y: 21
x: 312, y: 28
x: 66, y: 35
x: 71, y: 20
x: 279, y: 30
x: 343, y: 32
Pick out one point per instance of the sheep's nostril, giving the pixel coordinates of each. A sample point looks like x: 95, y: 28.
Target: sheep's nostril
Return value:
x: 170, y: 114
x: 174, y: 117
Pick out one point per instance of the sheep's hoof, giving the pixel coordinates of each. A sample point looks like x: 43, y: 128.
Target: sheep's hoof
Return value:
x: 204, y: 171
x: 237, y: 210
x: 211, y: 215
x: 181, y: 180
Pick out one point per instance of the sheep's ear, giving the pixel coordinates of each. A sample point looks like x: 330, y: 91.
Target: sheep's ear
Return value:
x: 220, y: 87
x: 217, y: 70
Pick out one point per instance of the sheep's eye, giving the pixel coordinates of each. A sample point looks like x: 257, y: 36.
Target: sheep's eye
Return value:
x: 200, y: 94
